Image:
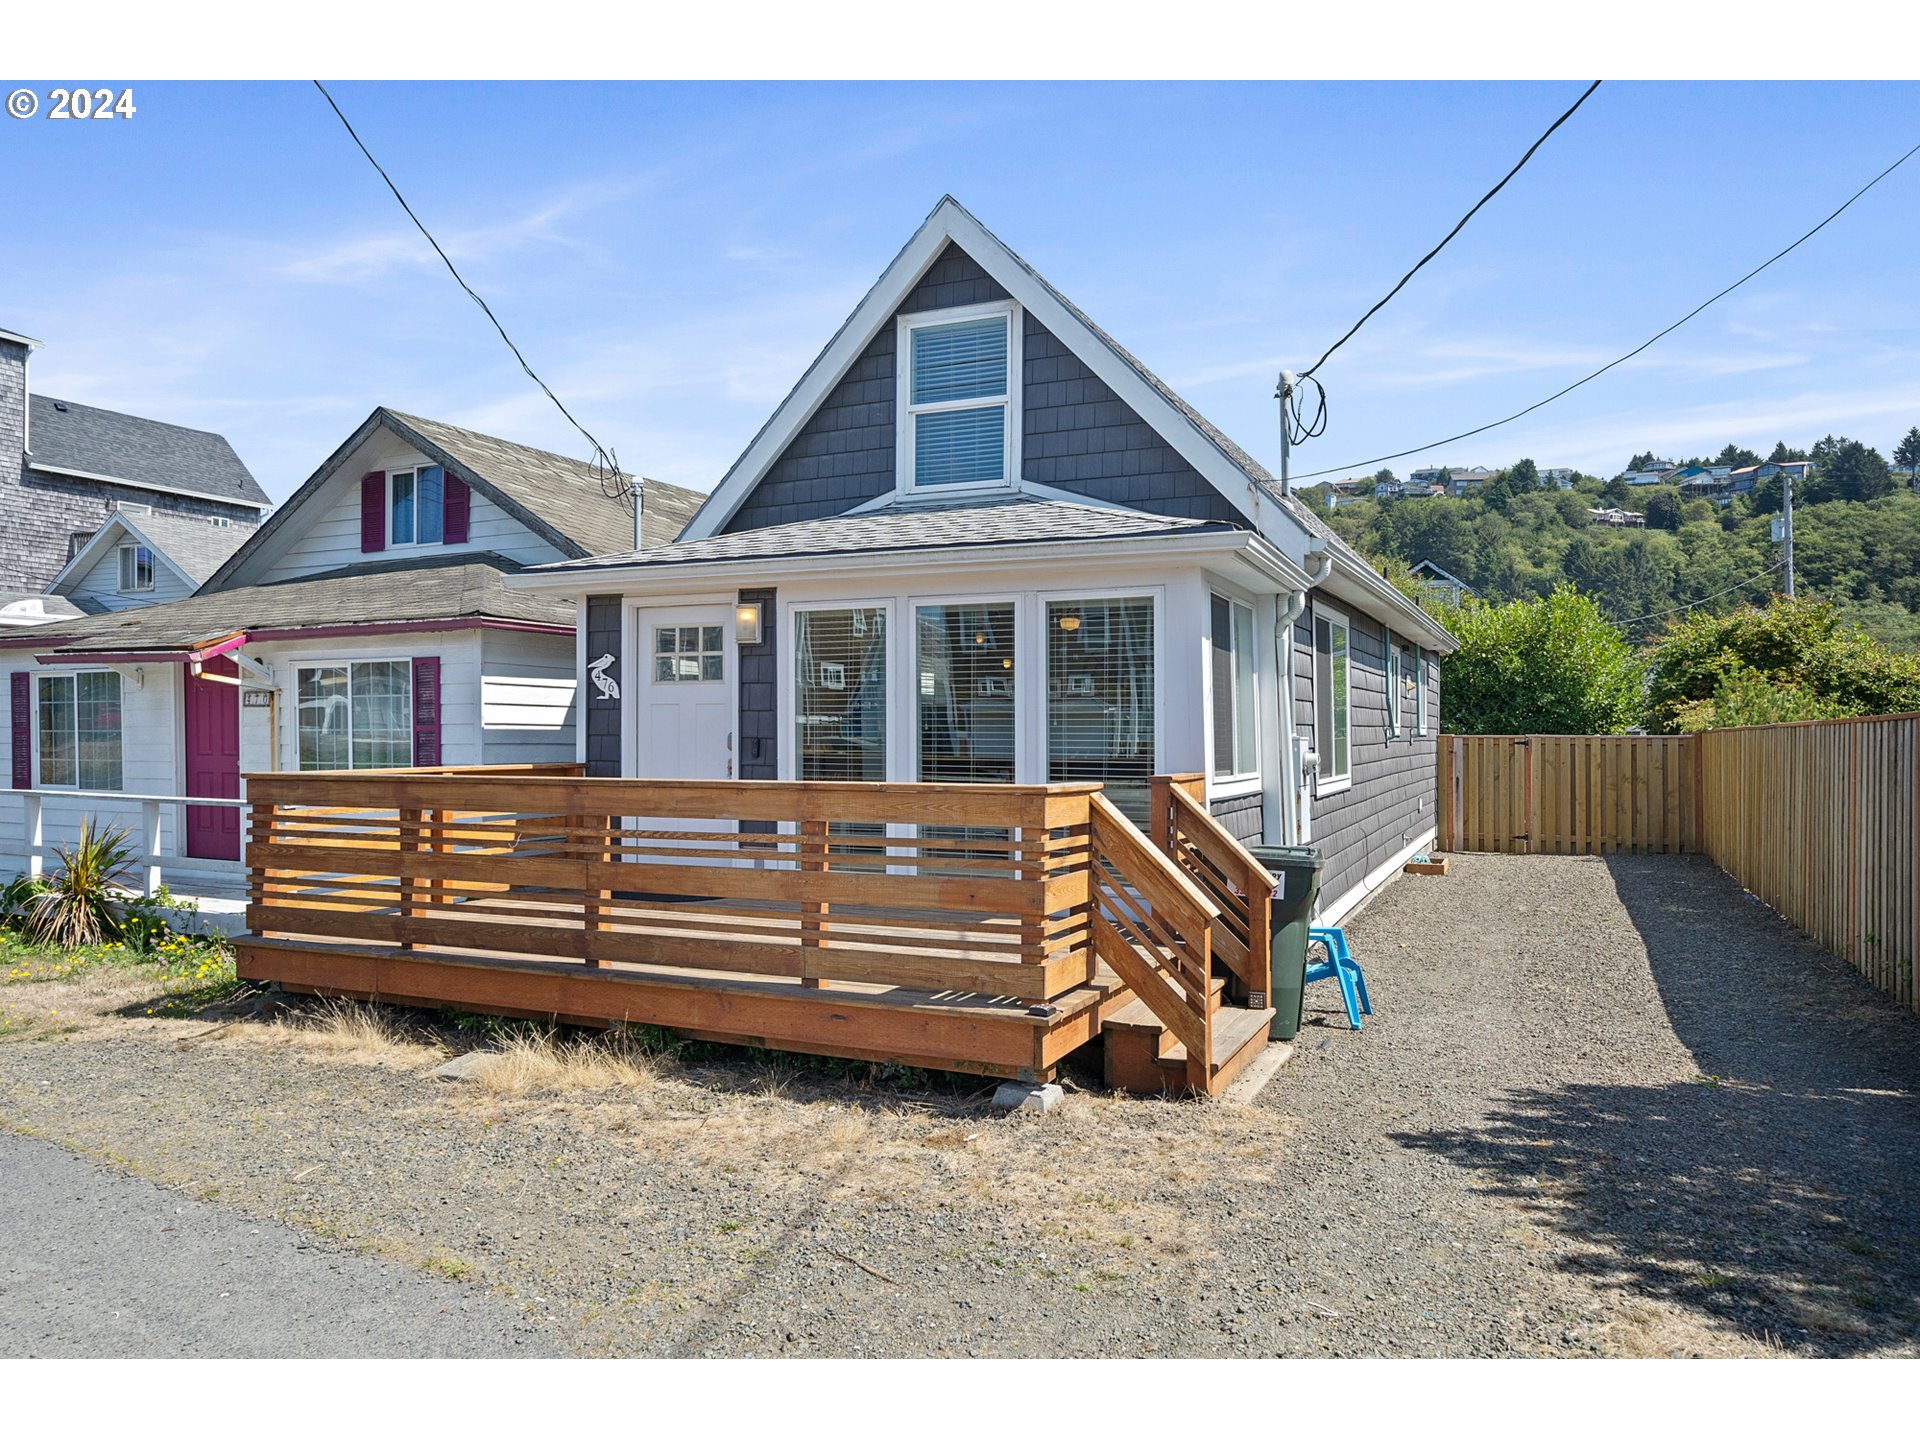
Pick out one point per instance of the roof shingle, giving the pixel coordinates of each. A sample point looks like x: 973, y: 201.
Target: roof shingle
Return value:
x: 70, y: 436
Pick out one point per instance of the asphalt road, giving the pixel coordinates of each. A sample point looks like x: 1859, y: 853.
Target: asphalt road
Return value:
x: 96, y: 1263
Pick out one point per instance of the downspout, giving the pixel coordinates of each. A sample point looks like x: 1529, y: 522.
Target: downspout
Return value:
x: 1296, y: 826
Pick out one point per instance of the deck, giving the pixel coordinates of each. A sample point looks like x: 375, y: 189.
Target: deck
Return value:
x: 985, y: 928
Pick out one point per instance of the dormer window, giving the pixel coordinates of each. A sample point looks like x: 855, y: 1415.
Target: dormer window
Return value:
x: 415, y: 506
x: 959, y: 385
x: 136, y: 569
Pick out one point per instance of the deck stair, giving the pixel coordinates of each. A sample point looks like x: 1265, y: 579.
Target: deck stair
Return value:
x: 1143, y: 1057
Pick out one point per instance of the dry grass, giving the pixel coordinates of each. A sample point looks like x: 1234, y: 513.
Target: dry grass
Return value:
x: 1643, y: 1331
x: 541, y: 1064
x: 343, y: 1030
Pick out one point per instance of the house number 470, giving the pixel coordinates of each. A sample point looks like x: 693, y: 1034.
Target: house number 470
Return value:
x: 89, y: 105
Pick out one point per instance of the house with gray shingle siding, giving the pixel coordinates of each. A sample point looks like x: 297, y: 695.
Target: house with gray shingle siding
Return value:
x: 67, y: 468
x: 366, y: 625
x: 981, y: 542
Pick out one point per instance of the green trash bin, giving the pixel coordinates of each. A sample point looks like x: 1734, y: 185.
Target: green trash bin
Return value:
x: 1297, y: 868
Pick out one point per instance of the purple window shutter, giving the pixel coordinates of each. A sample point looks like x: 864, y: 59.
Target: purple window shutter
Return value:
x: 22, y: 708
x: 373, y: 512
x: 426, y: 710
x: 454, y: 508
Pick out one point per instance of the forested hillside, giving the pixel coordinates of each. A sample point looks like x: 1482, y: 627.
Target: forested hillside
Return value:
x: 1856, y: 541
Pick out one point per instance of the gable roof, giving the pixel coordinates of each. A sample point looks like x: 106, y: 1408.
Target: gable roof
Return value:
x: 557, y: 498
x: 1241, y: 479
x: 443, y: 592
x: 192, y: 548
x: 71, y: 438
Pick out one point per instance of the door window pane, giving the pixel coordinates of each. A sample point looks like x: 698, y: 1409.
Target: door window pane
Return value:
x: 840, y: 694
x: 1100, y: 709
x: 688, y: 653
x: 966, y: 692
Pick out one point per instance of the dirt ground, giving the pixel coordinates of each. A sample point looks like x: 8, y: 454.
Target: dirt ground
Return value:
x: 1605, y: 1107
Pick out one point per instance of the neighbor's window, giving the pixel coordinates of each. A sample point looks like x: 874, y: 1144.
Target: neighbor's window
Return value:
x: 80, y: 730
x: 1100, y: 703
x: 840, y: 694
x: 356, y: 716
x: 1235, y: 751
x: 1332, y: 699
x: 136, y: 569
x: 966, y: 678
x: 415, y: 503
x: 957, y: 427
x: 689, y: 652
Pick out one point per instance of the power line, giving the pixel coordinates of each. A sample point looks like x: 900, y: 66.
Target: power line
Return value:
x: 1696, y: 604
x: 1494, y: 425
x: 1308, y: 372
x: 605, y: 467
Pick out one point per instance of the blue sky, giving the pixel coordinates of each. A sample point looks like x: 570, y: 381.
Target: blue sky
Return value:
x: 671, y: 256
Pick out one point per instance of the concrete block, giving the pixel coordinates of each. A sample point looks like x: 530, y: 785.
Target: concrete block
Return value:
x: 1020, y: 1095
x: 462, y: 1067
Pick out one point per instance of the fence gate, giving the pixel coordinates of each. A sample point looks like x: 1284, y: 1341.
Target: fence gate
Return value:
x: 1568, y: 794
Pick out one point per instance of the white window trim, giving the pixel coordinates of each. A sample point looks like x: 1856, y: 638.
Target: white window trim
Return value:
x: 905, y: 409
x: 413, y: 471
x: 33, y: 726
x: 1239, y: 782
x: 347, y: 662
x: 1420, y: 716
x: 1323, y: 782
x: 1390, y: 673
x: 120, y: 561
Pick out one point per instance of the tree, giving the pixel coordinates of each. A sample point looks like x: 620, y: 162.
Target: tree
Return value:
x: 1907, y: 453
x: 1782, y: 455
x: 1383, y: 477
x: 1849, y: 471
x: 1538, y: 666
x: 1663, y: 509
x: 1522, y: 478
x: 1715, y: 669
x: 1615, y: 493
x: 1642, y: 461
x: 1738, y: 456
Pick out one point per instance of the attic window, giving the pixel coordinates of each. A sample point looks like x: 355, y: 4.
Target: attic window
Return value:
x: 136, y: 569
x: 415, y: 505
x: 959, y: 387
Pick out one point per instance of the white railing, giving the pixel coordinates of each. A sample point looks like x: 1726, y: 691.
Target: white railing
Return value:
x: 150, y: 856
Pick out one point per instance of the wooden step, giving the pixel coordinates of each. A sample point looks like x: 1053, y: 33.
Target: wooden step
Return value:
x: 1144, y: 1058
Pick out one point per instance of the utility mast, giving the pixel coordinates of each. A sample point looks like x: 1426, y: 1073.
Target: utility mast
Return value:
x: 1786, y: 529
x: 1284, y: 394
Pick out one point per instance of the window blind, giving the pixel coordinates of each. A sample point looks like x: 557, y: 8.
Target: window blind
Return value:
x: 1100, y: 705
x: 966, y: 360
x: 840, y: 694
x: 960, y: 447
x: 966, y: 692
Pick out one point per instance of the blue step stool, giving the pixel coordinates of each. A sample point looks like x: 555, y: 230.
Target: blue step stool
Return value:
x: 1340, y: 965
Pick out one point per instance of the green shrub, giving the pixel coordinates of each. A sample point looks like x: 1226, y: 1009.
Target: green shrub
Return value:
x: 83, y: 902
x: 1552, y: 666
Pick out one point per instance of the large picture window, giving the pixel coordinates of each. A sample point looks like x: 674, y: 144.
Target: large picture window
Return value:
x: 1332, y: 700
x: 965, y: 670
x: 1235, y: 748
x: 356, y: 715
x: 957, y: 425
x: 80, y: 730
x: 840, y: 694
x: 1100, y: 701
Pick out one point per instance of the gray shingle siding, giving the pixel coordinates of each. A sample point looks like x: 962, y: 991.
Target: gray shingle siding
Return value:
x: 1392, y: 798
x: 759, y: 693
x: 1241, y: 816
x: 604, y: 633
x: 1076, y: 434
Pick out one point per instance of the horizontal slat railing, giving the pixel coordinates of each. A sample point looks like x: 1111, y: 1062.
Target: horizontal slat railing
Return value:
x: 981, y: 889
x: 1153, y: 926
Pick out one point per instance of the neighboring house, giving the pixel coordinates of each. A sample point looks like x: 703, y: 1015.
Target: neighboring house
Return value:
x: 365, y: 625
x: 1560, y: 477
x: 1441, y: 584
x: 66, y: 467
x: 1625, y: 519
x: 1467, y: 482
x: 142, y: 558
x: 981, y: 542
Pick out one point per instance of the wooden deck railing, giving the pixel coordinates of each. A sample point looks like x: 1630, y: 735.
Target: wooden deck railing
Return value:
x: 1240, y: 886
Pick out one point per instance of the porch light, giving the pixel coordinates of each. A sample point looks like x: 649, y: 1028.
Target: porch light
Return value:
x: 746, y: 624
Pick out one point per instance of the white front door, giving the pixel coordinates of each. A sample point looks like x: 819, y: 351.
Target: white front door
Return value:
x: 684, y: 712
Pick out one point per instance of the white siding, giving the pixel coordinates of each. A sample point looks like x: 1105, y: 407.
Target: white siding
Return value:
x: 101, y: 585
x: 528, y: 698
x: 151, y: 763
x: 324, y: 533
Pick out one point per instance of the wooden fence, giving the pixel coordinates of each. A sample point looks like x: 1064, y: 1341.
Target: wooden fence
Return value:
x: 1820, y: 819
x: 1569, y: 794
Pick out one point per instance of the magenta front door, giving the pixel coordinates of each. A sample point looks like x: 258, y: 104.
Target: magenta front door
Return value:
x: 213, y: 762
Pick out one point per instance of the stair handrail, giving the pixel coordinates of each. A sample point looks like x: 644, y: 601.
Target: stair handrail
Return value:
x: 1223, y: 867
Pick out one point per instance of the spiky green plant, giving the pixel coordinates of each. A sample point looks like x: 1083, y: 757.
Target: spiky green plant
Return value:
x: 82, y: 903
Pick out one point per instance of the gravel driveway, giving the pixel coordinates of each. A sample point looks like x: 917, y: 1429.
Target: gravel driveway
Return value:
x: 1607, y: 1106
